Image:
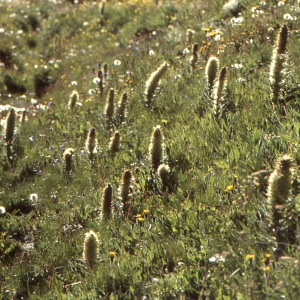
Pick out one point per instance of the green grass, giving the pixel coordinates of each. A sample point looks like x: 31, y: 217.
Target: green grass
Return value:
x: 210, y: 236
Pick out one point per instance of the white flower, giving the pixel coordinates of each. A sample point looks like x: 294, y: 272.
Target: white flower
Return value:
x: 85, y: 24
x: 241, y: 80
x: 237, y: 66
x: 151, y: 52
x: 186, y: 51
x: 91, y: 91
x: 2, y: 211
x: 20, y: 32
x: 74, y: 82
x: 33, y: 197
x: 280, y: 3
x: 117, y: 62
x: 217, y: 37
x: 288, y: 17
x: 96, y: 80
x: 2, y: 30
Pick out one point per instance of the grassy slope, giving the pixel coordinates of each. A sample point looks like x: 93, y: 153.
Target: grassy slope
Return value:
x: 195, y: 242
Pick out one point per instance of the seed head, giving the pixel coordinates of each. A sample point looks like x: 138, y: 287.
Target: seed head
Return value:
x: 157, y: 147
x: 211, y: 72
x: 277, y: 73
x: 152, y: 82
x: 91, y: 141
x: 107, y: 202
x: 74, y: 97
x: 68, y: 159
x: 90, y: 248
x: 280, y: 182
x: 122, y: 106
x: 114, y: 145
x: 10, y: 126
x: 109, y: 108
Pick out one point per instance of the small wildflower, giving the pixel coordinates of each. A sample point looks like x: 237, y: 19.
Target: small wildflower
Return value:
x: 250, y: 256
x: 117, y: 62
x: 112, y: 256
x: 280, y: 3
x: 140, y: 220
x: 229, y: 188
x: 74, y: 82
x: 96, y: 80
x: 146, y: 212
x: 33, y: 197
x: 2, y: 211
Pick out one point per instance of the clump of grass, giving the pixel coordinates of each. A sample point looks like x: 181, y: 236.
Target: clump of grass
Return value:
x: 13, y: 85
x: 152, y: 82
x: 42, y: 80
x: 211, y: 73
x: 90, y: 249
x: 107, y: 202
x: 157, y: 147
x: 278, y: 61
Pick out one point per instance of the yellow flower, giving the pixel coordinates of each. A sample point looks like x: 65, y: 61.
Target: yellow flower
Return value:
x: 112, y: 255
x: 146, y: 212
x: 250, y: 256
x: 229, y: 188
x: 165, y: 122
x: 140, y: 220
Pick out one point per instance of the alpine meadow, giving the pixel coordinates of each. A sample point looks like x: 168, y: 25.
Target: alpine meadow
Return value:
x: 150, y: 149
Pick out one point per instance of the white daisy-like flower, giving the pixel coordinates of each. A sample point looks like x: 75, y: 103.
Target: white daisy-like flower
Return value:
x: 74, y: 82
x: 96, y: 80
x: 2, y: 211
x: 33, y: 197
x: 280, y: 3
x: 151, y: 52
x: 186, y: 51
x: 117, y: 62
x: 91, y: 91
x: 237, y: 66
x: 288, y: 17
